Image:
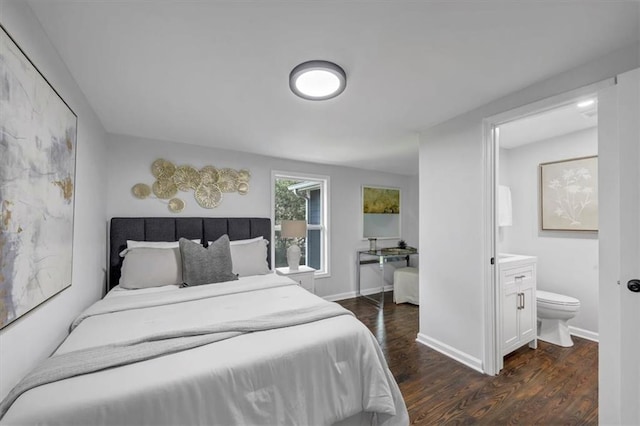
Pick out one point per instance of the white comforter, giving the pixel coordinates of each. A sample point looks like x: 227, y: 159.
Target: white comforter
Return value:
x: 311, y: 374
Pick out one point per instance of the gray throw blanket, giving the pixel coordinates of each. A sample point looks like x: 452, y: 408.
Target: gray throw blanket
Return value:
x: 71, y: 364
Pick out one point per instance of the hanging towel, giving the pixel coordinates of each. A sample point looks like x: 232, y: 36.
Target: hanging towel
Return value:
x: 504, y: 206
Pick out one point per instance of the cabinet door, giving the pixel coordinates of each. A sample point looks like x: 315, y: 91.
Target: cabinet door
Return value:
x: 528, y: 320
x: 306, y: 282
x: 510, y: 335
x: 525, y: 280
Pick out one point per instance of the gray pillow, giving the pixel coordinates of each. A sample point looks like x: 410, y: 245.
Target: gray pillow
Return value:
x: 206, y: 265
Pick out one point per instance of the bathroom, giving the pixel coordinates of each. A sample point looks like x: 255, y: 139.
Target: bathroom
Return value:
x: 531, y: 149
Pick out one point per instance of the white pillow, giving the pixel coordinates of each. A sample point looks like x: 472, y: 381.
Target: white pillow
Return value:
x: 145, y: 267
x: 151, y: 244
x: 239, y: 242
x: 249, y: 241
x: 250, y: 258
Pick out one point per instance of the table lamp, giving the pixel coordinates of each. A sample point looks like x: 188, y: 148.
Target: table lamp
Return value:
x: 293, y: 229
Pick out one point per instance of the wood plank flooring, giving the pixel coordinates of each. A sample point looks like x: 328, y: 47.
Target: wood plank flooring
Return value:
x: 550, y: 385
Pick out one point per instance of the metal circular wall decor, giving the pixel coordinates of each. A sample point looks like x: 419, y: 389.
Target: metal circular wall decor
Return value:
x: 208, y: 195
x: 244, y: 175
x: 162, y: 168
x: 243, y: 188
x: 208, y: 184
x: 164, y: 188
x: 176, y: 205
x: 228, y: 180
x: 317, y: 80
x: 209, y: 174
x: 186, y: 178
x: 141, y: 190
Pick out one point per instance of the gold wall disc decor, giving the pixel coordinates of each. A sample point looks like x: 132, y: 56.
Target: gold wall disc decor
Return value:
x: 228, y: 180
x: 186, y: 178
x: 208, y: 184
x: 244, y: 175
x: 209, y: 174
x: 141, y: 190
x: 162, y: 168
x: 243, y: 188
x: 176, y: 205
x: 164, y: 188
x: 208, y: 195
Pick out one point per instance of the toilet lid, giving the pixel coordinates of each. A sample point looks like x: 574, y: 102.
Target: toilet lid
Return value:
x: 556, y: 299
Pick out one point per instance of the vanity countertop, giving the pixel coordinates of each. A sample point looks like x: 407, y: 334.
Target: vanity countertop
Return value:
x: 515, y: 258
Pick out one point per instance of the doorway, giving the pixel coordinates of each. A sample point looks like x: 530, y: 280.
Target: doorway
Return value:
x: 547, y: 209
x: 516, y: 143
x: 619, y: 233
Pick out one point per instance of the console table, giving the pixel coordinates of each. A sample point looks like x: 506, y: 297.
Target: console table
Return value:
x: 380, y: 257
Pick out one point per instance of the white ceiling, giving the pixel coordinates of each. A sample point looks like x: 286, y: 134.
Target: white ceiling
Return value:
x: 549, y: 124
x: 215, y: 73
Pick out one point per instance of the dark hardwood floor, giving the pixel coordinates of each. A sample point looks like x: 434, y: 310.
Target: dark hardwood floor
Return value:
x: 550, y: 385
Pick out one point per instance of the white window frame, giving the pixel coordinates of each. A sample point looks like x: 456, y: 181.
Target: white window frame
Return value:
x: 325, y: 182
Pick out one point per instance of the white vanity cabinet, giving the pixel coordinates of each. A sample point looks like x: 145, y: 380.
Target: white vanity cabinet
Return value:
x: 517, y: 276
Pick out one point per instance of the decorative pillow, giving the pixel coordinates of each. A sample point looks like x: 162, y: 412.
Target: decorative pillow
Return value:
x: 206, y: 265
x: 151, y: 244
x: 248, y: 241
x: 151, y: 267
x: 238, y: 242
x: 250, y: 258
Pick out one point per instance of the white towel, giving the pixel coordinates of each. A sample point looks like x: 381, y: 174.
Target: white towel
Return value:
x: 504, y: 206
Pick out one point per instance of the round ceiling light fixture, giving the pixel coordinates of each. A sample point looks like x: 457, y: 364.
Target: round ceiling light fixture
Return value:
x: 317, y: 80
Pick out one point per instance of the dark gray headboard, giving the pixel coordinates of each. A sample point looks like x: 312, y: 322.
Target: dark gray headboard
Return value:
x: 172, y: 229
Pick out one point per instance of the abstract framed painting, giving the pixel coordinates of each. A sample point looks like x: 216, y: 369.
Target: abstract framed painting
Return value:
x: 37, y: 184
x: 569, y: 195
x: 380, y: 212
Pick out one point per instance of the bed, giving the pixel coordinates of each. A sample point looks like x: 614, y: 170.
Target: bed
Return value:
x: 256, y: 350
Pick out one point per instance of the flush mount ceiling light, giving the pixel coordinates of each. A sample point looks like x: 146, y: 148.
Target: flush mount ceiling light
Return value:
x: 317, y: 80
x: 588, y: 108
x: 586, y: 103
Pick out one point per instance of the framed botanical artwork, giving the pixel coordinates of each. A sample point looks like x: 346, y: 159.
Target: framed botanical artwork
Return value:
x: 37, y: 185
x: 569, y: 195
x: 380, y: 212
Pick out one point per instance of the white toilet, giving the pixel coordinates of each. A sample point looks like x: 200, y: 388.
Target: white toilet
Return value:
x: 554, y: 310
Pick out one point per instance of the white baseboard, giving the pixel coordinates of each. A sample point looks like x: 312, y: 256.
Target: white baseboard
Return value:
x: 340, y: 296
x: 451, y: 352
x: 368, y: 291
x: 352, y: 294
x: 585, y: 334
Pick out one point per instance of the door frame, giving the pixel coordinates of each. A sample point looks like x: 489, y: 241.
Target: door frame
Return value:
x: 492, y: 359
x: 619, y: 371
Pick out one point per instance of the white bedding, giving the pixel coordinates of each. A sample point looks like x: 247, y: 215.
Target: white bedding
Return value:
x: 313, y: 374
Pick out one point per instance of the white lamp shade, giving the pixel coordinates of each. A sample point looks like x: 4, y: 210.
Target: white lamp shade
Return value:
x: 293, y: 229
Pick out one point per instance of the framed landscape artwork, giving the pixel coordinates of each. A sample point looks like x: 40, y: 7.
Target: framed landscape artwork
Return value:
x: 569, y: 195
x: 37, y: 184
x: 380, y: 212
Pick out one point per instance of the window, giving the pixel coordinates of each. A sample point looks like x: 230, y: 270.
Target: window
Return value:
x: 302, y: 197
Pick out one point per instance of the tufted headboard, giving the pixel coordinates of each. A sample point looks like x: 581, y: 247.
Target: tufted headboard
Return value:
x: 172, y: 229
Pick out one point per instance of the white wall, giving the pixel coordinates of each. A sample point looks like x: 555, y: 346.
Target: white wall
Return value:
x: 452, y: 206
x: 130, y: 160
x: 34, y: 336
x: 503, y: 179
x: 567, y: 261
